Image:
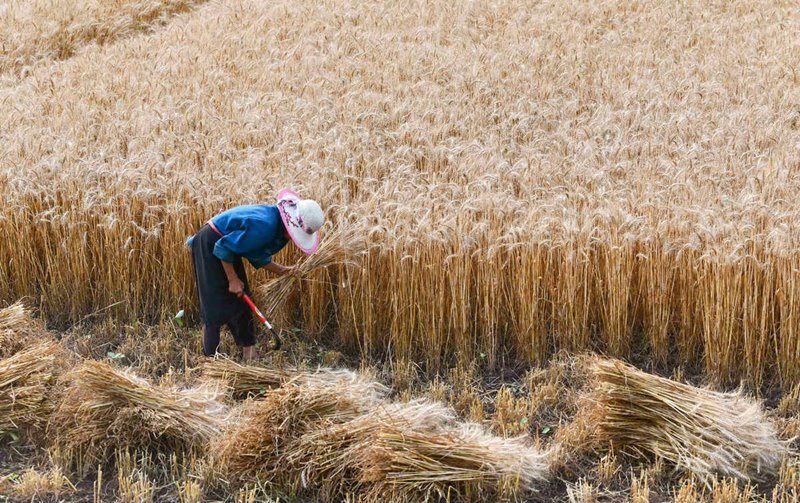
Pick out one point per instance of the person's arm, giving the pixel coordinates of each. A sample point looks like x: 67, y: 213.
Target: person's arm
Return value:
x: 278, y: 269
x: 235, y: 285
x: 226, y: 249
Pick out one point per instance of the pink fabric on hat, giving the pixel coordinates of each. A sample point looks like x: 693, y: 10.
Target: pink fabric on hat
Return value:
x: 290, y: 194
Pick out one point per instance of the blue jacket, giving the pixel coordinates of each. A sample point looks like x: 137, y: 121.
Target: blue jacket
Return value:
x: 253, y: 231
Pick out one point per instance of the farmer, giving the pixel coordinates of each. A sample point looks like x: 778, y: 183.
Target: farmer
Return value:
x: 255, y: 232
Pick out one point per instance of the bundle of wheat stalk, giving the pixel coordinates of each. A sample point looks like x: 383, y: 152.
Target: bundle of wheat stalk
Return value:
x: 256, y: 448
x: 331, y: 460
x: 405, y: 464
x: 336, y: 439
x: 415, y: 451
x: 340, y: 247
x: 24, y: 382
x: 17, y: 329
x: 244, y: 380
x: 249, y: 380
x: 696, y: 429
x: 105, y: 408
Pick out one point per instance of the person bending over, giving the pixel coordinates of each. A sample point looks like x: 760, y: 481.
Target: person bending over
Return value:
x: 255, y: 232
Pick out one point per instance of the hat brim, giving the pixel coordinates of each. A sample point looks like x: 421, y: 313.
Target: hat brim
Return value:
x: 308, y: 243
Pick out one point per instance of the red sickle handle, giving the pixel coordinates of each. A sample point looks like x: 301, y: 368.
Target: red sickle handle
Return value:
x: 276, y: 339
x: 255, y: 310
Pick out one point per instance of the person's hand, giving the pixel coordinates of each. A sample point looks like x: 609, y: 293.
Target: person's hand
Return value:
x: 288, y: 270
x: 280, y: 269
x: 236, y: 286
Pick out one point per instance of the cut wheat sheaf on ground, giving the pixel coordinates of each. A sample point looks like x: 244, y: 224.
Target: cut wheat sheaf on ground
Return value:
x: 244, y: 381
x: 697, y: 430
x: 26, y: 379
x: 104, y: 409
x: 331, y: 440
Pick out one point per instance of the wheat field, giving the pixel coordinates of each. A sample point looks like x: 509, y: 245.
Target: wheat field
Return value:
x: 617, y: 176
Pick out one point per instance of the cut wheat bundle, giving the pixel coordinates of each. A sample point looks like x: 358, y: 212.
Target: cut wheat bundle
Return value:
x: 14, y: 317
x: 105, y: 408
x: 250, y: 380
x: 244, y: 380
x: 696, y: 429
x: 330, y: 441
x: 330, y: 460
x: 18, y: 329
x: 25, y: 379
x: 406, y: 460
x: 340, y: 247
x: 255, y: 448
x: 421, y: 466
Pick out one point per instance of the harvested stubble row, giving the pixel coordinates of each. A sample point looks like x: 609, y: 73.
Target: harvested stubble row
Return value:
x: 25, y: 382
x: 697, y: 430
x: 38, y: 485
x: 105, y: 409
x: 332, y: 439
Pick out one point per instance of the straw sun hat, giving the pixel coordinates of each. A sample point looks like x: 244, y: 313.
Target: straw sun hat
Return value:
x: 302, y: 219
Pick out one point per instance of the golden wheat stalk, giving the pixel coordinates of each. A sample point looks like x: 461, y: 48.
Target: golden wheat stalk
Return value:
x: 497, y: 229
x: 105, y: 408
x: 25, y: 379
x: 698, y: 430
x: 340, y: 247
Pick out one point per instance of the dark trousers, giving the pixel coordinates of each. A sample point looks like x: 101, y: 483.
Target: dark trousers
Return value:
x: 219, y: 307
x: 242, y: 328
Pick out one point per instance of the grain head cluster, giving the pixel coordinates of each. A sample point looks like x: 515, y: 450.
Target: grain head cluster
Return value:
x: 503, y: 181
x: 529, y: 177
